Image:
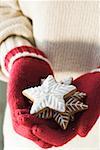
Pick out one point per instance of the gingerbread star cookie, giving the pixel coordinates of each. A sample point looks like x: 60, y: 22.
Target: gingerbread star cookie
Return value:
x: 50, y: 94
x: 57, y: 100
x: 73, y: 104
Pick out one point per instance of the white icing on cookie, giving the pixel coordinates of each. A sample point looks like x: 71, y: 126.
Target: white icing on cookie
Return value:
x: 49, y: 94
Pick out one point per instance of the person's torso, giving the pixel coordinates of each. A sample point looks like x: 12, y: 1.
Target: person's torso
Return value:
x: 67, y: 32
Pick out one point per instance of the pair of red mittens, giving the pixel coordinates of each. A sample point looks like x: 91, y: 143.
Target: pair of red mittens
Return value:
x: 27, y: 71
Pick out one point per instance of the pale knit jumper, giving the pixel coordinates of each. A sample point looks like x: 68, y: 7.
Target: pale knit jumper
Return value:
x: 67, y: 31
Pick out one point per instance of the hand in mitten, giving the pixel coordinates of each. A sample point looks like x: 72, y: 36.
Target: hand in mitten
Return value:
x: 84, y: 121
x: 27, y: 72
x: 90, y: 84
x: 24, y: 73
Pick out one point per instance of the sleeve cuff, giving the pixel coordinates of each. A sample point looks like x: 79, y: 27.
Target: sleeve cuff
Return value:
x: 14, y: 48
x: 7, y: 45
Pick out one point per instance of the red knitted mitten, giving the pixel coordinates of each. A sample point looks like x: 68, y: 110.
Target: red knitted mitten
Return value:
x: 27, y: 72
x: 84, y: 121
x: 23, y: 73
x: 90, y: 84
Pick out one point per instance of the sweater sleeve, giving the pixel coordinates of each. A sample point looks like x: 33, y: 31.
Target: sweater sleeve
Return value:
x: 13, y: 22
x: 15, y: 30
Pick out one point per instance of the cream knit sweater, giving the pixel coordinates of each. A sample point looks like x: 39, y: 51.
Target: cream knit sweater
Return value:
x: 67, y: 31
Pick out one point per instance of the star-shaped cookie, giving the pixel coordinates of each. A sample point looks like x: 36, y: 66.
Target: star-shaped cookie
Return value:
x: 73, y: 104
x: 50, y: 94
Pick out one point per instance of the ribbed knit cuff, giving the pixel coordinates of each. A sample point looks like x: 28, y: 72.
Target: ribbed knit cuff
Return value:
x: 7, y: 45
x: 14, y: 48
